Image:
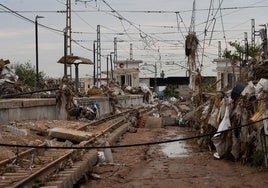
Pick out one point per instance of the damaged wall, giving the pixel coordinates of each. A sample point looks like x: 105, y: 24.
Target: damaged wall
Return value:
x: 45, y: 109
x: 26, y: 109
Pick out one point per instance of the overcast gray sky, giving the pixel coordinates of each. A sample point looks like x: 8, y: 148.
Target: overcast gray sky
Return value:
x: 156, y: 28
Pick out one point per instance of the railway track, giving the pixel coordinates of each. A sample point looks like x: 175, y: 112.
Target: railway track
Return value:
x: 37, y: 167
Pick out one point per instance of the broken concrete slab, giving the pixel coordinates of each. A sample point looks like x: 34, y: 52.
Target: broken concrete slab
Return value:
x: 69, y: 134
x: 14, y: 130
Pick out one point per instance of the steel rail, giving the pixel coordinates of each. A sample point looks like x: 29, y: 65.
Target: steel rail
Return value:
x: 53, y: 166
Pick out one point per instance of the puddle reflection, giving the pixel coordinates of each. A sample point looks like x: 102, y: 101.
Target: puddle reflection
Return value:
x: 175, y: 149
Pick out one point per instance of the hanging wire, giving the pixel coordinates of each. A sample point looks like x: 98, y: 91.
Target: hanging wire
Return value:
x: 178, y: 24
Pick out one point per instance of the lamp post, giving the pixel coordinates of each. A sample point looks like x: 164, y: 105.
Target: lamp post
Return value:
x: 76, y: 76
x: 36, y: 51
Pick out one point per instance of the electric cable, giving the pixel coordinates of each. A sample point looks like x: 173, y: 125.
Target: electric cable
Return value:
x: 144, y: 11
x: 29, y: 20
x: 134, y: 145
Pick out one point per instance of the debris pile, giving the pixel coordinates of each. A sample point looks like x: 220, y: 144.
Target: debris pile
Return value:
x: 243, y: 109
x: 8, y: 79
x: 11, y: 86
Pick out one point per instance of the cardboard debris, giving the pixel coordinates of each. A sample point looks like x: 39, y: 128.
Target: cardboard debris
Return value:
x: 69, y: 134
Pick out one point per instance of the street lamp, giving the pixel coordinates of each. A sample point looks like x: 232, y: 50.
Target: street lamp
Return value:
x: 36, y: 51
x: 76, y: 64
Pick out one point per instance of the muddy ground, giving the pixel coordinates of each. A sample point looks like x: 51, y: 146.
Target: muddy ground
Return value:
x: 185, y: 165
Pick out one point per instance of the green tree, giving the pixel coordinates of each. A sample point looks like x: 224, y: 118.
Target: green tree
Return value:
x: 26, y: 73
x: 241, y: 50
x: 171, y: 91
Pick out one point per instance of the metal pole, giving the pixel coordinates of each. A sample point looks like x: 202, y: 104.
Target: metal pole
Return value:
x: 36, y: 52
x: 265, y: 42
x: 219, y: 49
x: 155, y: 75
x: 36, y: 55
x: 76, y: 77
x: 107, y: 59
x: 253, y: 32
x: 111, y: 64
x: 264, y: 39
x: 246, y: 45
x: 65, y: 53
x: 94, y: 60
x: 98, y: 56
x: 115, y: 48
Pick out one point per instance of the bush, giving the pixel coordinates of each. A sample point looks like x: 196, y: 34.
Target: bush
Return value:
x: 171, y: 91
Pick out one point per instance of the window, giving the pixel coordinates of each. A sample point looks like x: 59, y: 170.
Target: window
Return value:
x: 129, y: 79
x: 123, y: 80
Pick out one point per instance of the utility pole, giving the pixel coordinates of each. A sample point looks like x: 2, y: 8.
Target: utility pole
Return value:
x: 68, y: 33
x: 131, y: 52
x: 111, y: 64
x: 263, y: 34
x: 191, y: 52
x: 246, y: 45
x: 219, y: 50
x: 94, y: 60
x: 36, y: 52
x: 65, y: 53
x: 155, y: 78
x: 98, y: 56
x: 192, y: 26
x: 107, y: 71
x: 115, y: 49
x: 253, y: 32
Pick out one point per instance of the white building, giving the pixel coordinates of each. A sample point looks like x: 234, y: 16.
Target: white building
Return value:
x: 228, y: 73
x: 127, y: 72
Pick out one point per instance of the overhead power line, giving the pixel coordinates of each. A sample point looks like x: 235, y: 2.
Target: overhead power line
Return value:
x: 29, y: 20
x: 140, y: 11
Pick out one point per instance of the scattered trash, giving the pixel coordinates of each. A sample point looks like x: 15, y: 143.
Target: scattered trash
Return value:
x: 108, y: 153
x: 101, y: 157
x: 96, y: 176
x: 216, y: 155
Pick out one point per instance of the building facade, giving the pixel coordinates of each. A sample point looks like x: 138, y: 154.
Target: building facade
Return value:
x: 228, y: 73
x: 127, y: 72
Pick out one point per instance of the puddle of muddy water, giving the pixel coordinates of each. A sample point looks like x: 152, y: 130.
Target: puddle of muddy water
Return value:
x: 175, y: 149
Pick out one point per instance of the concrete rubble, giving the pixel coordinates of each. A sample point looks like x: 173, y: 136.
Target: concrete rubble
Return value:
x: 208, y: 111
x: 69, y: 134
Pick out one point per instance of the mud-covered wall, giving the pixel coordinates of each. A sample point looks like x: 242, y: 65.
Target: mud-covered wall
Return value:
x: 46, y: 108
